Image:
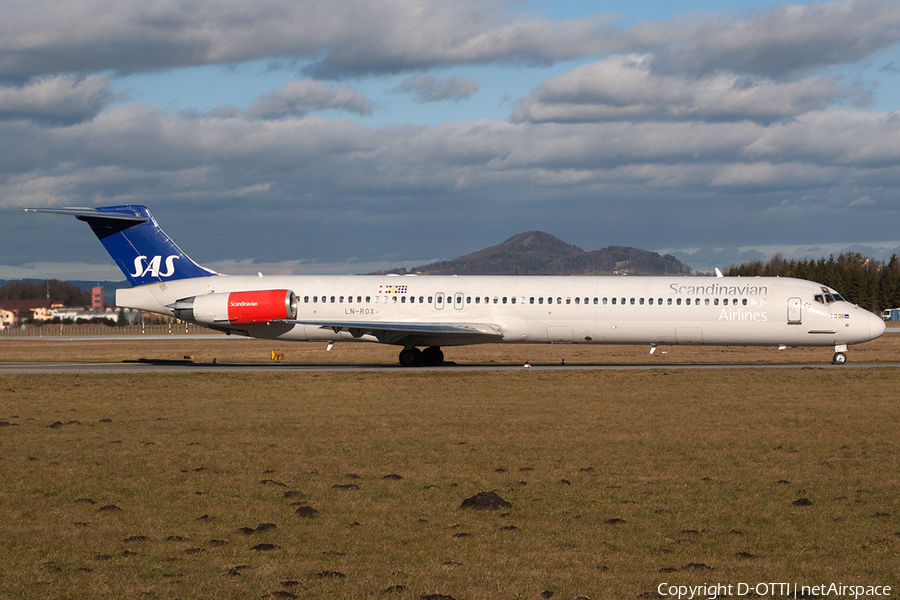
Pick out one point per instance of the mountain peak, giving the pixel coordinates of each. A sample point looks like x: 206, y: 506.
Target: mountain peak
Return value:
x: 539, y: 253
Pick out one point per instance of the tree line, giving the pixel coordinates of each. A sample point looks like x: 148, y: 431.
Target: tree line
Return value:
x: 64, y: 292
x: 863, y: 281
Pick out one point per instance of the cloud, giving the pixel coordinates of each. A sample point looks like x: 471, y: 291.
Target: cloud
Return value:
x: 59, y: 99
x: 428, y: 88
x: 340, y: 38
x: 302, y: 184
x: 776, y: 41
x: 625, y: 88
x: 332, y: 39
x: 299, y: 98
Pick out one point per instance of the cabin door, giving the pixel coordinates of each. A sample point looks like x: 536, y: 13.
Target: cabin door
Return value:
x: 795, y: 311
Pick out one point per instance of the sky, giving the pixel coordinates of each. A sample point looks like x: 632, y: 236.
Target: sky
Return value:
x: 347, y: 136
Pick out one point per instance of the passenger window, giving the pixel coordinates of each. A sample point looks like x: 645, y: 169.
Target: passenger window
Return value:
x: 577, y: 300
x: 459, y: 299
x: 678, y: 301
x: 332, y: 299
x: 650, y: 301
x: 559, y: 300
x: 402, y: 299
x: 468, y: 299
x: 687, y: 301
x: 669, y: 301
x: 531, y: 300
x: 706, y: 301
x: 477, y: 299
x: 715, y: 301
x: 568, y: 301
x: 430, y: 299
x: 504, y: 299
x: 368, y: 299
x: 744, y: 302
x: 614, y: 301
x: 541, y: 300
x: 641, y: 301
x: 440, y: 299
x: 349, y: 298
x: 632, y: 301
x: 306, y: 299
x: 724, y: 301
x: 496, y: 299
x: 394, y: 299
x: 513, y: 300
x: 596, y: 300
x: 315, y: 299
x: 623, y: 300
x: 604, y: 301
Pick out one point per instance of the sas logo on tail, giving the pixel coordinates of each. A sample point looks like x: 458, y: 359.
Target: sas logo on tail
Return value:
x: 152, y: 266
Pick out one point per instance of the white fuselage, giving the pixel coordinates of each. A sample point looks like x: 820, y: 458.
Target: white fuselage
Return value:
x: 554, y: 309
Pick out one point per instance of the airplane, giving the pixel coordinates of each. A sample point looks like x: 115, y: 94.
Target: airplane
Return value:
x: 423, y: 313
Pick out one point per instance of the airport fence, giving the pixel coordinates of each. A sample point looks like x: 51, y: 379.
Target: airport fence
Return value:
x: 88, y: 330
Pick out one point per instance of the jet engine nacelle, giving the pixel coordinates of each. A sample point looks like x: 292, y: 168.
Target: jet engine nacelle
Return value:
x: 237, y: 308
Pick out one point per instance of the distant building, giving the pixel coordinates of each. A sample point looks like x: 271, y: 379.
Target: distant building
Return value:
x: 7, y: 318
x: 97, y: 300
x: 27, y: 309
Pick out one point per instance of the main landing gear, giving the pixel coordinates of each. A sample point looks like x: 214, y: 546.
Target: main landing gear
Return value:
x: 413, y: 357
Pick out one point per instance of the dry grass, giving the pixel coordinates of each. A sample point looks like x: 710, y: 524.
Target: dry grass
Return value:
x: 234, y: 349
x: 618, y: 481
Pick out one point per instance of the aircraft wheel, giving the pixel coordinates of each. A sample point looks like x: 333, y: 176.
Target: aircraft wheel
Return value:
x: 839, y: 358
x: 432, y: 357
x: 411, y: 357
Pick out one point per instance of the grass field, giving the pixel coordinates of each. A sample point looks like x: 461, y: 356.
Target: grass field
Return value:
x: 235, y: 349
x: 189, y: 485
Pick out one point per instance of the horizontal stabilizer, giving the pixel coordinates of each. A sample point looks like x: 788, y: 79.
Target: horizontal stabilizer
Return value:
x: 89, y: 213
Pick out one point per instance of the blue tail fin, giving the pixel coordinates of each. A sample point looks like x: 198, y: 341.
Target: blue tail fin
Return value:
x: 143, y: 251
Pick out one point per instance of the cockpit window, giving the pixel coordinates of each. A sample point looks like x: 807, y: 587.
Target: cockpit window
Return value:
x: 828, y: 297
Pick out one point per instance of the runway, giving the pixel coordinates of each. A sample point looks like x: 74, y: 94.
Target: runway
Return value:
x: 145, y: 367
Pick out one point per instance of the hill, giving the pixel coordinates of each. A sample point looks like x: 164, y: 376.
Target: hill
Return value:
x: 539, y: 253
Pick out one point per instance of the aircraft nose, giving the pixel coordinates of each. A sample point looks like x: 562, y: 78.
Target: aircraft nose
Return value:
x: 877, y: 327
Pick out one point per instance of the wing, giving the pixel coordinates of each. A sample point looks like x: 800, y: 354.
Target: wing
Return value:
x: 414, y: 333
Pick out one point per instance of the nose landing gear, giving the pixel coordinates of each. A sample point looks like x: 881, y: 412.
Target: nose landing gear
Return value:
x: 839, y: 357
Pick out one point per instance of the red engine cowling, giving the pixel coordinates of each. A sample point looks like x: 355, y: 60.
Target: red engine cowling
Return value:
x: 238, y: 308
